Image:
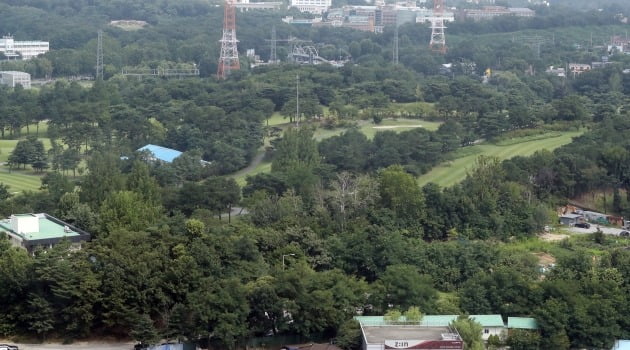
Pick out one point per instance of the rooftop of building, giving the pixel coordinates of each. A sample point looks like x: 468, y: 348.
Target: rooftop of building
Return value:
x: 522, y: 323
x: 622, y: 345
x: 434, y: 320
x: 378, y: 334
x: 13, y: 72
x: 49, y: 227
x: 162, y: 153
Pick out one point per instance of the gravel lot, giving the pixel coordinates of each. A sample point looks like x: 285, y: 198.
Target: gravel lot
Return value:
x: 607, y: 230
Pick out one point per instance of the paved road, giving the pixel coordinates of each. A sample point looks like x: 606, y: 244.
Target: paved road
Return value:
x: 607, y: 230
x: 75, y: 346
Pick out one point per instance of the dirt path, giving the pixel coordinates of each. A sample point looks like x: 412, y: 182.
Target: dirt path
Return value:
x: 252, y: 165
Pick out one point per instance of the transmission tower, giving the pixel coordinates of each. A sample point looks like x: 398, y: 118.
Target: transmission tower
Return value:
x: 534, y: 42
x: 99, y: 56
x: 438, y: 39
x: 228, y: 61
x: 395, y: 58
x: 273, y: 59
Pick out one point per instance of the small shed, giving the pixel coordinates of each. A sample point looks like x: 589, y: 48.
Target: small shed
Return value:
x: 570, y: 219
x: 492, y: 325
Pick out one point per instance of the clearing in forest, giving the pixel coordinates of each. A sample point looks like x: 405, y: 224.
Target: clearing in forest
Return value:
x: 261, y: 165
x: 453, y: 171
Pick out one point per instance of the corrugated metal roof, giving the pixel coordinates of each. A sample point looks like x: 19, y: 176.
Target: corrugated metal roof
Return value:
x: 571, y: 216
x: 522, y: 323
x: 162, y: 153
x: 435, y: 320
x: 489, y: 320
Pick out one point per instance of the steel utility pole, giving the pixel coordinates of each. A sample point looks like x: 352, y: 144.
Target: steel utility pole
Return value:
x: 273, y: 58
x: 99, y: 56
x: 395, y: 58
x: 297, y: 100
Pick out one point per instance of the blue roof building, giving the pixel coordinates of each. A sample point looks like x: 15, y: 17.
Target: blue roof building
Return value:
x: 161, y: 153
x: 622, y: 345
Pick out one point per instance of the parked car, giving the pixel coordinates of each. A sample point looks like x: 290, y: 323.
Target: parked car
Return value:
x: 8, y: 347
x: 624, y: 233
x: 583, y: 225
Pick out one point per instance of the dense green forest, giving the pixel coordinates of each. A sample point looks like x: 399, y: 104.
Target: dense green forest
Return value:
x: 338, y: 226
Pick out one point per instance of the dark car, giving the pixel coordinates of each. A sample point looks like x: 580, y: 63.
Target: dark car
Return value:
x: 583, y: 225
x: 624, y: 234
x: 140, y: 346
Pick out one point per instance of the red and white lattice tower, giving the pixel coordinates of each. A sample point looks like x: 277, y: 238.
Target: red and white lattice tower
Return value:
x: 228, y: 61
x: 438, y: 39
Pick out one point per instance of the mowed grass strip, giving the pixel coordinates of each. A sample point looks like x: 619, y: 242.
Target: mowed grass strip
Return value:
x: 19, y: 181
x: 452, y: 172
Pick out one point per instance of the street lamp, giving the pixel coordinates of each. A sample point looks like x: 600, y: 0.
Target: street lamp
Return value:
x: 283, y: 255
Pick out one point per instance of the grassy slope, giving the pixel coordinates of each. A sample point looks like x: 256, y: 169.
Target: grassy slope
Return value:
x: 452, y: 172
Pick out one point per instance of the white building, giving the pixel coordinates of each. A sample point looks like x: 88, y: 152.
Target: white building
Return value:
x: 425, y: 15
x: 13, y: 78
x: 312, y: 6
x: 33, y: 231
x: 26, y: 49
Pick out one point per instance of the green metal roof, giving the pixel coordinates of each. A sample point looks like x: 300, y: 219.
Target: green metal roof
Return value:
x: 489, y: 320
x: 435, y: 320
x: 47, y: 229
x: 522, y: 323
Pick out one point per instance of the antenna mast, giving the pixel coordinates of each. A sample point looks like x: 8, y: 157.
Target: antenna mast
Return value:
x: 438, y: 39
x: 228, y: 61
x: 297, y: 100
x: 273, y: 58
x: 395, y: 58
x: 99, y: 56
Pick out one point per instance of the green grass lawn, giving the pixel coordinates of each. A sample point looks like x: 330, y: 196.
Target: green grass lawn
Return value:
x: 452, y: 172
x: 22, y: 180
x: 263, y: 167
x: 370, y: 129
x: 7, y: 146
x: 277, y: 119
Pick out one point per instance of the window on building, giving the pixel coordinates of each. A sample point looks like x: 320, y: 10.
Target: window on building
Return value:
x: 486, y: 331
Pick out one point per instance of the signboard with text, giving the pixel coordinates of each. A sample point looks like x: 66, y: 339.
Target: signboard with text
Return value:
x: 425, y: 344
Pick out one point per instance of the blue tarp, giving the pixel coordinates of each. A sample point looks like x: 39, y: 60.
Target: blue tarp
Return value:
x: 161, y: 153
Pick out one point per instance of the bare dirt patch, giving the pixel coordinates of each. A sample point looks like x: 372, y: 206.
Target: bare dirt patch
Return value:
x: 545, y: 259
x: 552, y: 237
x: 128, y: 24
